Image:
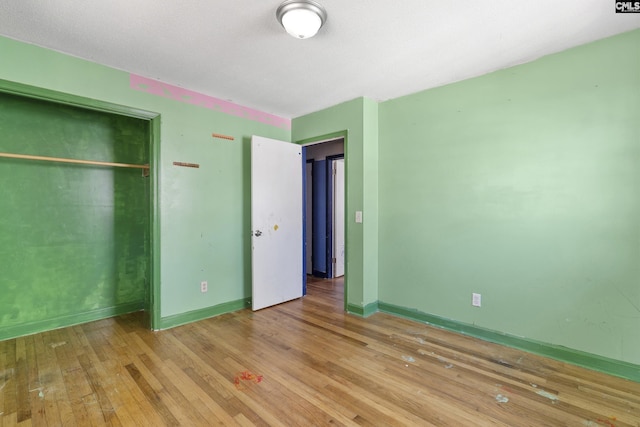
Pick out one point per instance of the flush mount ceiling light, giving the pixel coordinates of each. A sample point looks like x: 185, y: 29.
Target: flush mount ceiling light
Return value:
x: 301, y: 18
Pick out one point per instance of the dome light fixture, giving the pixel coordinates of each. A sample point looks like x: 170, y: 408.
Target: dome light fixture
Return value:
x: 301, y: 18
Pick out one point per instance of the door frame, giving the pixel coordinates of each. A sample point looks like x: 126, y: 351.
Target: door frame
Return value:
x: 153, y: 289
x: 344, y: 134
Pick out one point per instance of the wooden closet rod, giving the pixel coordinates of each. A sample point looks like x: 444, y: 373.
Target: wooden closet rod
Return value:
x: 64, y: 160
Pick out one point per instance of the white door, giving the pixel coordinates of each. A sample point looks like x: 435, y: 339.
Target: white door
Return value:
x: 276, y: 221
x: 338, y: 217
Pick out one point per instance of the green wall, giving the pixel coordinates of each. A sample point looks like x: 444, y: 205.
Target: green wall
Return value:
x: 359, y: 118
x: 74, y: 239
x: 522, y: 185
x: 203, y: 214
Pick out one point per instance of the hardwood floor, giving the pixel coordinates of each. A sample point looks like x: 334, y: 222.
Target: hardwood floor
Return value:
x: 302, y: 363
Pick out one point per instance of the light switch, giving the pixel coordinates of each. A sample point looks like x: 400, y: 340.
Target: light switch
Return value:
x: 476, y: 300
x: 358, y: 216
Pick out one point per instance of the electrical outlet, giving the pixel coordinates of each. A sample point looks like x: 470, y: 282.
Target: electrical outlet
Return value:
x: 204, y: 287
x: 476, y: 300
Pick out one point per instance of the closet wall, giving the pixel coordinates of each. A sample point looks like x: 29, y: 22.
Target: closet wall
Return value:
x: 74, y: 239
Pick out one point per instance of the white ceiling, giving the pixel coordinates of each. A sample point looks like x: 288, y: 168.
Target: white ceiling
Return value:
x: 236, y: 50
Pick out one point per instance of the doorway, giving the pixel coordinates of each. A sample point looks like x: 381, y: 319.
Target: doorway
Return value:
x: 325, y: 201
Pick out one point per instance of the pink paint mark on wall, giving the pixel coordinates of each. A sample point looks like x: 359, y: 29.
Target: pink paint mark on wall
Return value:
x: 154, y: 87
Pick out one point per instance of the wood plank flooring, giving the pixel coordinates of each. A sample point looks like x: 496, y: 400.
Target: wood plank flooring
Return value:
x: 302, y: 363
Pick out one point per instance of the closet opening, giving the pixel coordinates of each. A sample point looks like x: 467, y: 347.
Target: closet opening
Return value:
x: 78, y: 216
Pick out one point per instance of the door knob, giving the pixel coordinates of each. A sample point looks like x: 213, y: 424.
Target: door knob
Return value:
x: 258, y: 233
